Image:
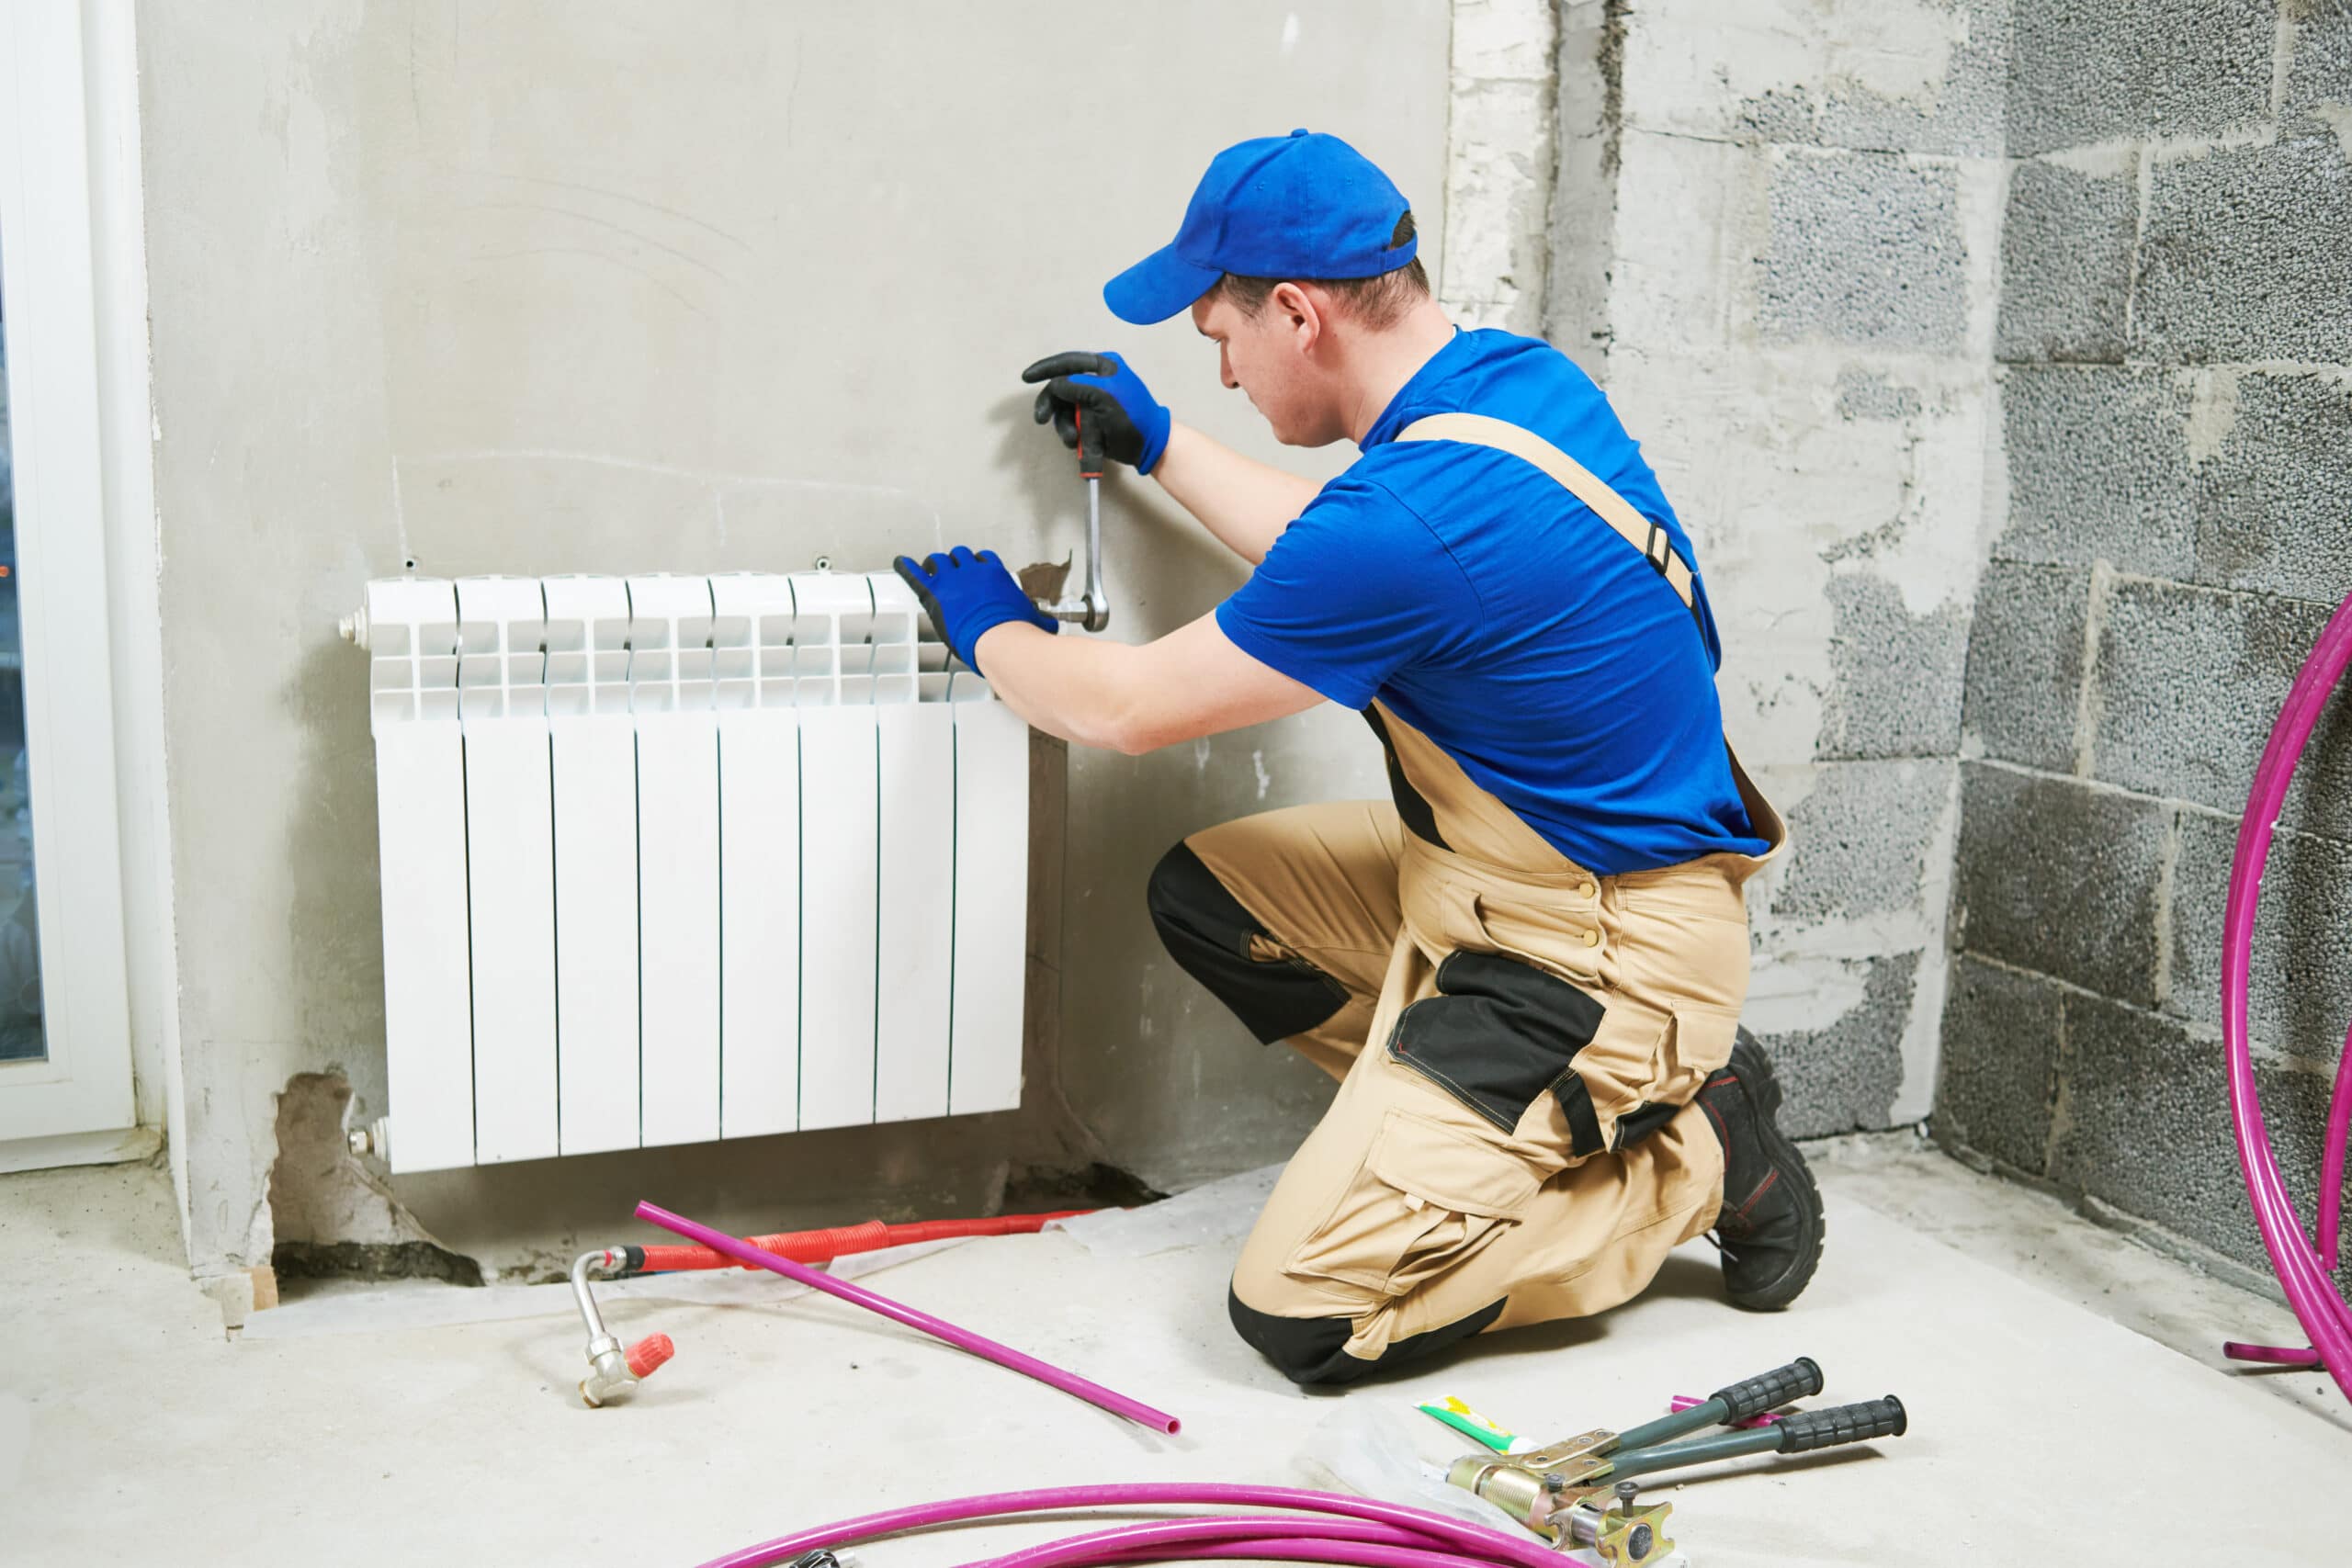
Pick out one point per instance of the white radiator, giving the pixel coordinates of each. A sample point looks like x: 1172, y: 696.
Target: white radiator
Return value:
x: 671, y: 859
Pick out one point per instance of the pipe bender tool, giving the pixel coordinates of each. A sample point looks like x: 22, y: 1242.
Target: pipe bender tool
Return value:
x: 1563, y: 1489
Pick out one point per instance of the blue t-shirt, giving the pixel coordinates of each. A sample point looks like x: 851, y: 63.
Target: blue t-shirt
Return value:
x: 1496, y: 614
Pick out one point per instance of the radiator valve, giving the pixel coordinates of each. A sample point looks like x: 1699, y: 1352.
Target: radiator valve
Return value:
x: 376, y: 1138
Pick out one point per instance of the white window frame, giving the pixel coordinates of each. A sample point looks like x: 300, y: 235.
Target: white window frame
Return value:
x: 83, y: 1086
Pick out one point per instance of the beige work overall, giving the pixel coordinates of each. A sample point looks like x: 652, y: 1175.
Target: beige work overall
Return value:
x: 1518, y: 1141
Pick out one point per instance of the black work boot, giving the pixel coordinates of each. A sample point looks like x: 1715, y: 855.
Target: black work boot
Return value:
x: 1770, y: 1228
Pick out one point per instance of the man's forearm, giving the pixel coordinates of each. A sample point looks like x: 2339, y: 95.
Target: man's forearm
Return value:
x: 1071, y: 687
x: 1241, y: 501
x: 1191, y: 682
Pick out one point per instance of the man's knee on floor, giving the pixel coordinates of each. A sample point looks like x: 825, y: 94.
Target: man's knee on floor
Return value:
x: 1312, y: 1351
x: 1211, y: 936
x: 1307, y: 1351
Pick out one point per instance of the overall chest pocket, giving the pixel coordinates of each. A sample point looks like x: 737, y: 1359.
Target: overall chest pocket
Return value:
x: 1426, y: 1198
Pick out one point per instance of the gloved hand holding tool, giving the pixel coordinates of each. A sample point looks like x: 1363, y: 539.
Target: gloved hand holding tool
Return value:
x: 1132, y: 423
x: 966, y: 594
x: 1101, y: 409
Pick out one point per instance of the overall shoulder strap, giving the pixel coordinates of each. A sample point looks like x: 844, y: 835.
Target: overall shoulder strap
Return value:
x: 1480, y: 429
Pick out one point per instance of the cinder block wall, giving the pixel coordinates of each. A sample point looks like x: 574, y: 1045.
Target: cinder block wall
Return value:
x: 1776, y: 235
x: 2175, y: 385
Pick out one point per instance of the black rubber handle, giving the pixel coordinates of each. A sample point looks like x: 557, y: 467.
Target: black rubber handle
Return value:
x: 1810, y: 1429
x: 1753, y: 1396
x: 1090, y: 448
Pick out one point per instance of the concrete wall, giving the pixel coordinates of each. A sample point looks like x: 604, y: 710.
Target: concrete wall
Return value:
x: 1775, y: 238
x: 2175, y: 340
x: 552, y: 287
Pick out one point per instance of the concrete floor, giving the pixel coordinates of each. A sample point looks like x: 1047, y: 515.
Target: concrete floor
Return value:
x: 2047, y: 1423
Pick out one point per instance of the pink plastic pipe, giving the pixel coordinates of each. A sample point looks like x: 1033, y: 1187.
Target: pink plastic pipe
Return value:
x: 1683, y: 1402
x: 938, y: 1328
x: 1185, y: 1538
x: 1467, y: 1539
x: 1312, y: 1549
x: 2331, y: 1171
x: 2317, y: 1306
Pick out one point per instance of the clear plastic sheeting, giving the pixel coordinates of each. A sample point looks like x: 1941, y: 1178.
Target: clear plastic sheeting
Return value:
x: 1211, y: 1215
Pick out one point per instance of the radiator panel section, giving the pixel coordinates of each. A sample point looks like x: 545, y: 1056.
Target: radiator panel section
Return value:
x: 670, y: 859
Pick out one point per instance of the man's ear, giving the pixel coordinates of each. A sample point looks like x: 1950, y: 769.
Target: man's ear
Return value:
x: 1299, y: 311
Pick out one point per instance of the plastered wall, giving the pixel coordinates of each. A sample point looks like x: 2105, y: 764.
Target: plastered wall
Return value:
x: 557, y: 288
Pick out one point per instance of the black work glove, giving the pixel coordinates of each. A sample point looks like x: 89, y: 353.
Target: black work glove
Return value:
x: 1113, y: 398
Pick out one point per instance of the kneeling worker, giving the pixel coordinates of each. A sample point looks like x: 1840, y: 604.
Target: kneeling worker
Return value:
x: 1526, y: 972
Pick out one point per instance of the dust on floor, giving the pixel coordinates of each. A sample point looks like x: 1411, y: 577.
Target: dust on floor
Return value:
x: 132, y: 1427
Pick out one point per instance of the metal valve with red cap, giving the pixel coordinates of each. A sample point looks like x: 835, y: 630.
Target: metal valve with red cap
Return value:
x: 614, y: 1372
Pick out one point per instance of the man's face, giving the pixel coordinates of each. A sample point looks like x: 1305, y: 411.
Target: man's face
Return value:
x: 1267, y: 356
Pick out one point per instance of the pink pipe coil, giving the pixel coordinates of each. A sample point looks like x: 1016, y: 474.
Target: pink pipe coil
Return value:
x: 2317, y: 1305
x: 1492, y: 1546
x: 2330, y: 1173
x: 938, y: 1328
x: 1184, y: 1538
x: 1350, y: 1554
x: 2269, y: 1355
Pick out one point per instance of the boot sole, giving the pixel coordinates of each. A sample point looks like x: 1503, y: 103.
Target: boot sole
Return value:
x: 1755, y: 1070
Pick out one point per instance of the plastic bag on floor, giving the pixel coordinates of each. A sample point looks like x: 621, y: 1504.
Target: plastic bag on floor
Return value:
x: 1384, y: 1448
x: 1211, y: 1215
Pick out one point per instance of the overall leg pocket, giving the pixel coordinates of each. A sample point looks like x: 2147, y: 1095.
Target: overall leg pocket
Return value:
x: 1697, y: 1041
x: 1426, y: 1198
x: 1498, y: 1035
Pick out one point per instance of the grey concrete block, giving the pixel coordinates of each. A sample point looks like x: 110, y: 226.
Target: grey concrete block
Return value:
x: 1843, y: 1076
x: 2098, y: 470
x: 2025, y: 663
x: 2243, y: 255
x: 1865, y: 249
x: 2059, y: 878
x: 2093, y: 69
x: 2300, y: 993
x: 2145, y: 1126
x: 1896, y: 677
x: 1960, y: 114
x: 2185, y: 686
x: 2320, y: 70
x: 2000, y: 1072
x: 2274, y: 503
x: 2067, y: 263
x: 1867, y: 395
x: 1859, y: 843
x: 1780, y: 115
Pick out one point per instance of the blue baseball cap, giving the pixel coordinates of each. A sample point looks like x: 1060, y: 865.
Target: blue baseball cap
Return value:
x: 1302, y: 206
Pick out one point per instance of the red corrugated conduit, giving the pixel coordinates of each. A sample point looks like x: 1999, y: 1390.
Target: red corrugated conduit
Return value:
x: 819, y: 1246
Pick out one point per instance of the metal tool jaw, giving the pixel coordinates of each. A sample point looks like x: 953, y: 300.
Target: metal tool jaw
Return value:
x: 1560, y: 1492
x: 1090, y: 606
